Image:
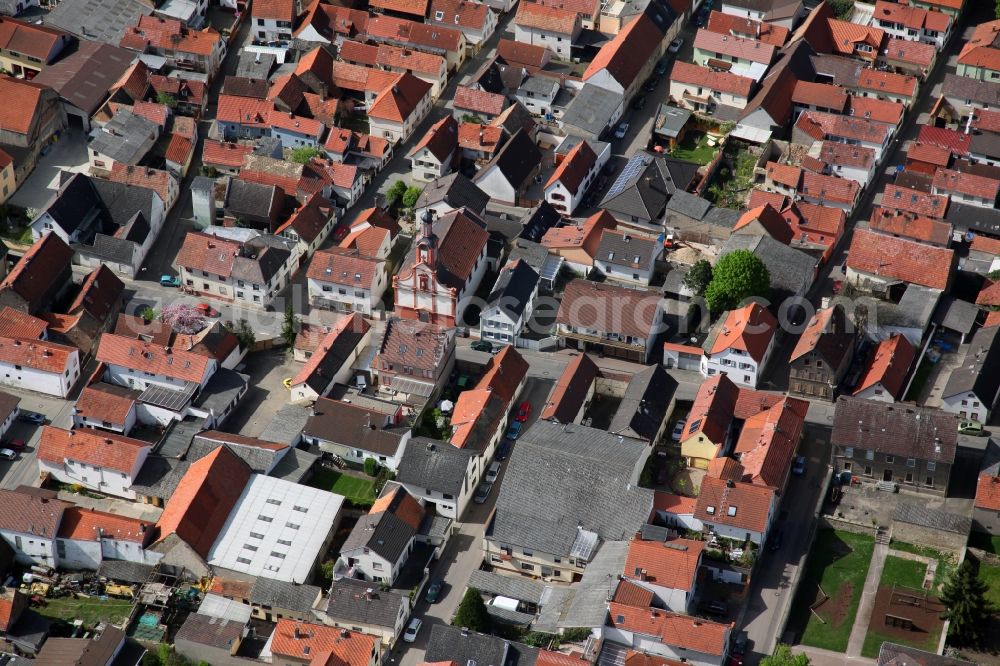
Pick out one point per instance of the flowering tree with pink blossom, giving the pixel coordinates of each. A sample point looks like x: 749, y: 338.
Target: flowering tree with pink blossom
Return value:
x: 183, y: 318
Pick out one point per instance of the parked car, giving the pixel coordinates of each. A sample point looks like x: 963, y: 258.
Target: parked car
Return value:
x: 974, y: 428
x: 678, y: 430
x: 662, y: 67
x: 514, y: 431
x: 169, y: 281
x: 31, y: 417
x: 16, y: 444
x: 412, y: 630
x: 717, y: 607
x: 7, y: 454
x: 483, y: 492
x: 639, y: 102
x: 774, y: 543
x: 523, y: 412
x: 433, y: 593
x: 483, y: 346
x: 621, y: 130
x: 503, y: 451
x: 676, y: 45
x: 740, y: 643
x: 206, y: 310
x: 493, y: 472
x: 799, y: 466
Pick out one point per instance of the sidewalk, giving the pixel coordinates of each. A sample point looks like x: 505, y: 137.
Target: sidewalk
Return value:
x: 820, y: 657
x: 864, y: 616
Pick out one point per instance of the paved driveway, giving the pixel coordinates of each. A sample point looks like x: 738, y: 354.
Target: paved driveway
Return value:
x: 69, y: 153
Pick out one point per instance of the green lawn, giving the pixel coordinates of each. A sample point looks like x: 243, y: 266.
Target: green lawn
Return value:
x: 946, y: 563
x: 695, y: 148
x: 990, y: 574
x: 91, y: 610
x: 874, y: 640
x: 838, y: 562
x: 991, y: 544
x: 357, y: 490
x: 733, y: 180
x: 907, y: 573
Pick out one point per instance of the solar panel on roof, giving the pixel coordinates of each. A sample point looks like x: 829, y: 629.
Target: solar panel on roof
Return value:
x: 631, y: 171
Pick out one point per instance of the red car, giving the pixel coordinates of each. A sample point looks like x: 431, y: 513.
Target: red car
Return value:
x: 523, y: 412
x: 207, y: 310
x: 16, y: 444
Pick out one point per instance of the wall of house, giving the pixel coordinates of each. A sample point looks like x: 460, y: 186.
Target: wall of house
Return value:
x: 958, y: 197
x: 343, y: 298
x: 641, y: 275
x: 119, y: 374
x: 986, y: 520
x: 560, y: 45
x: 209, y: 653
x: 291, y: 139
x: 397, y: 132
x: 30, y: 548
x: 673, y: 599
x: 876, y: 392
x: 902, y: 32
x: 677, y: 90
x: 50, y: 383
x: 736, y: 533
x: 375, y: 567
x: 247, y: 293
x: 358, y: 456
x: 685, y: 520
x: 911, y: 474
x: 857, y: 174
x: 654, y: 646
x: 425, y: 166
x: 967, y: 405
x: 123, y: 428
x: 104, y: 480
x: 739, y: 367
x: 495, y: 184
x: 531, y: 563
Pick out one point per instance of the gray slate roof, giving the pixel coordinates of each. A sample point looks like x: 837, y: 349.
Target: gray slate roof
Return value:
x: 159, y: 476
x: 428, y: 463
x: 645, y: 184
x: 124, y: 571
x: 562, y: 481
x: 591, y: 110
x: 84, y: 76
x: 126, y: 138
x: 980, y: 371
x: 791, y: 270
x: 456, y: 190
x: 348, y: 604
x: 252, y: 199
x: 282, y: 594
x: 892, y: 654
x: 618, y: 249
x: 670, y: 120
x: 965, y: 88
x: 956, y: 314
x: 259, y: 459
x: 513, y: 587
x: 513, y: 289
x: 916, y: 513
x: 384, y: 533
x: 287, y: 424
x: 588, y: 606
x: 644, y: 406
x: 987, y: 144
x: 211, y: 631
x: 295, y: 465
x: 97, y: 20
x: 689, y: 205
x: 448, y: 643
x: 255, y: 65
x: 516, y: 160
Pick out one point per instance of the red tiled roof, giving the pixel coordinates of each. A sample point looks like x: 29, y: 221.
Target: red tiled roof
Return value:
x: 107, y: 450
x: 750, y: 329
x: 105, y: 402
x: 889, y: 365
x: 909, y: 225
x: 158, y: 180
x: 712, y: 411
x: 907, y: 51
x: 770, y: 219
x: 224, y: 154
x: 397, y: 101
x: 325, y: 646
x: 933, y: 206
x: 29, y: 39
x: 571, y: 390
x: 982, y: 243
x: 784, y: 174
x: 339, y: 174
x: 12, y: 605
x: 23, y: 99
x: 382, y: 27
x: 413, y: 7
x: 401, y: 504
x: 769, y: 439
x: 969, y: 184
x: 282, y: 10
x: 547, y: 19
x: 745, y: 506
x: 887, y: 82
x: 479, y: 101
x: 981, y: 49
x: 32, y: 277
x: 14, y: 323
x: 826, y: 125
x: 989, y: 295
x: 170, y: 35
x: 879, y: 110
x: 761, y: 197
x: 183, y: 90
x: 585, y: 8
x: 986, y: 120
x: 156, y: 359
x: 988, y: 492
x: 309, y: 220
x: 900, y: 259
x: 633, y: 658
x: 846, y: 35
x: 725, y: 468
x: 911, y: 17
x: 179, y: 149
x: 573, y: 236
x: 441, y: 139
x: 673, y: 504
x: 80, y: 524
x: 821, y: 219
x: 504, y: 374
x: 726, y: 82
x: 397, y: 58
x: 460, y: 12
x: 519, y: 53
x: 728, y: 24
x: 203, y: 499
x: 624, y: 56
x: 574, y: 167
x: 992, y: 319
x: 829, y: 188
x: 823, y: 95
x: 738, y: 48
x: 99, y: 294
x: 842, y: 154
x: 331, y: 20
x: 37, y: 354
x: 153, y: 112
x: 956, y: 142
x: 354, y: 323
x: 480, y: 138
x: 337, y: 265
x: 588, y: 305
x: 672, y: 564
x: 684, y: 631
x: 207, y: 253
x: 929, y: 153
x: 550, y: 658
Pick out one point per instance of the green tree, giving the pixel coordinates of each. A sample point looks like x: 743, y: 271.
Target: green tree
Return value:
x: 396, y: 191
x: 371, y: 466
x: 964, y: 597
x: 997, y: 9
x: 699, y: 277
x: 471, y: 612
x: 243, y: 333
x: 303, y: 154
x: 149, y: 314
x: 289, y: 327
x: 842, y: 9
x: 166, y: 99
x: 737, y: 276
x: 411, y: 195
x: 783, y: 657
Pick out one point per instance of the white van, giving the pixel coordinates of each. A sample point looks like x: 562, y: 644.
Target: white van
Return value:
x: 493, y: 472
x: 505, y: 602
